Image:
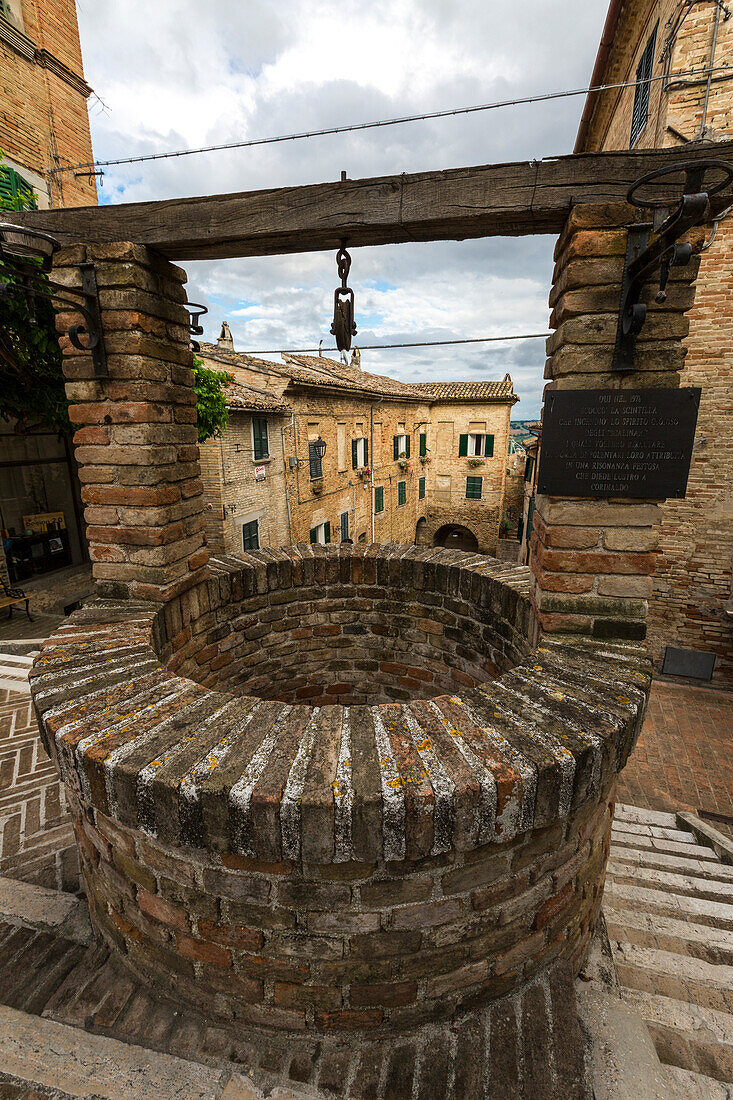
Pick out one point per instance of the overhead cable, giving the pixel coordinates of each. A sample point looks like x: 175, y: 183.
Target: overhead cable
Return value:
x: 417, y: 344
x: 92, y: 165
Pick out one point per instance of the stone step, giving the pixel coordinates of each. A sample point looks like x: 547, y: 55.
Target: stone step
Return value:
x: 659, y: 832
x: 685, y: 1035
x: 662, y: 861
x: 623, y: 895
x: 678, y: 884
x: 693, y: 1086
x: 639, y: 816
x: 700, y: 941
x: 668, y: 974
x: 670, y: 847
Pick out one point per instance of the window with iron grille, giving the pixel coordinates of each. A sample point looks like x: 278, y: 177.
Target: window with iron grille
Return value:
x: 644, y: 72
x: 401, y: 493
x: 314, y: 460
x: 378, y: 499
x: 473, y: 488
x: 421, y: 489
x: 260, y: 442
x: 251, y: 535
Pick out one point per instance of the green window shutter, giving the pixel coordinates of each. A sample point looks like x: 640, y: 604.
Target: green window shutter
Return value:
x: 462, y: 446
x: 473, y: 488
x: 259, y: 434
x: 344, y: 525
x: 15, y: 192
x: 396, y: 444
x: 354, y: 455
x: 314, y: 534
x: 401, y: 493
x: 423, y: 444
x: 378, y: 499
x: 314, y: 461
x: 530, y: 519
x: 488, y: 445
x: 407, y: 448
x: 327, y: 532
x: 366, y: 451
x: 421, y: 489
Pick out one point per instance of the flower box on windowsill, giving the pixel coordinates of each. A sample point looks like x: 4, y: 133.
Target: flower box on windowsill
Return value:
x: 474, y: 462
x: 425, y: 460
x: 404, y: 465
x: 316, y: 488
x: 363, y: 471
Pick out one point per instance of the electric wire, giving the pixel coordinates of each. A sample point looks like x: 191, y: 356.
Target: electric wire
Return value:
x: 351, y: 127
x: 416, y: 344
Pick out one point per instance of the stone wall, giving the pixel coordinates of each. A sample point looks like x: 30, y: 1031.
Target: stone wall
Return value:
x: 690, y: 601
x: 44, y: 122
x: 339, y: 867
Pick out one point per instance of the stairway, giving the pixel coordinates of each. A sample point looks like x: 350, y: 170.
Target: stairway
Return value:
x: 14, y: 671
x: 668, y: 905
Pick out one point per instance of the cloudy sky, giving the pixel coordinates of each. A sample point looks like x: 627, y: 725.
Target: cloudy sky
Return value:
x: 181, y: 74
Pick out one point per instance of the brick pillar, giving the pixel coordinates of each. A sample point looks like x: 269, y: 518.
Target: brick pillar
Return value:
x: 136, y: 440
x: 593, y: 560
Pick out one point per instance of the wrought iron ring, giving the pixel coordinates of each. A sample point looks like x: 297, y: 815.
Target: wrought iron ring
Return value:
x: 685, y: 166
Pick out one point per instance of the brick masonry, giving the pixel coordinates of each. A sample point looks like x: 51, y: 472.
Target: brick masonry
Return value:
x: 690, y: 604
x: 345, y: 867
x: 44, y: 121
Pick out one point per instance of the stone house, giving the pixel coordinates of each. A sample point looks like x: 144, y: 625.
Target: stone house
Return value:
x: 690, y: 625
x: 403, y: 462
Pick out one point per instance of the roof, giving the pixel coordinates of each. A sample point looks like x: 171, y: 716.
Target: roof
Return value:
x: 321, y: 372
x: 599, y: 69
x: 243, y: 397
x: 470, y: 391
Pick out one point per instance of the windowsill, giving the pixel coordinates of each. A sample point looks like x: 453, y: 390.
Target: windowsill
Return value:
x: 261, y: 461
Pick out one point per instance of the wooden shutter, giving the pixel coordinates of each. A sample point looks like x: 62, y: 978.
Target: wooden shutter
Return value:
x: 407, y: 446
x: 421, y: 489
x: 15, y: 192
x: 473, y: 488
x: 354, y: 454
x: 401, y: 492
x: 314, y: 534
x: 314, y: 461
x: 344, y: 525
x: 379, y: 499
x: 423, y: 444
x: 327, y: 531
x: 644, y: 72
x: 366, y: 451
x: 462, y: 446
x: 488, y: 445
x: 396, y: 447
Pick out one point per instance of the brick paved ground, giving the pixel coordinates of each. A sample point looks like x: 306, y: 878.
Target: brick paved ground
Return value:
x: 684, y: 760
x: 684, y: 756
x: 36, y: 838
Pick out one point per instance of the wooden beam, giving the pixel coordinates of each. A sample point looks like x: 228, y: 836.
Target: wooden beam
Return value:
x: 490, y: 200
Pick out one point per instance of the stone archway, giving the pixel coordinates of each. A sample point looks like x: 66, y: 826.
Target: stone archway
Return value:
x: 454, y: 536
x: 421, y: 534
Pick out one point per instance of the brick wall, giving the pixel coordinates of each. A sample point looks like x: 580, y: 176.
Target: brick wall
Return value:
x: 688, y: 607
x: 43, y: 105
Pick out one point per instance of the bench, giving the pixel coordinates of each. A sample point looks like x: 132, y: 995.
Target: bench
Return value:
x: 9, y: 597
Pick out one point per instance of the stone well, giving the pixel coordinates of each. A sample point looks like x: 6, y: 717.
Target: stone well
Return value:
x: 339, y: 788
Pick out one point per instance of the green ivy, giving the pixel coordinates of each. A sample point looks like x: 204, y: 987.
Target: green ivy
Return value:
x: 211, y: 402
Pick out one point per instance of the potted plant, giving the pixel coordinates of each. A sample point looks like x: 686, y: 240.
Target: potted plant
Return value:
x: 474, y: 462
x: 425, y: 460
x: 402, y: 463
x: 317, y: 487
x: 363, y: 471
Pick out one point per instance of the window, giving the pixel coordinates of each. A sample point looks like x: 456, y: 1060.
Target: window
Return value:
x: 423, y: 444
x: 401, y: 493
x: 321, y: 534
x: 529, y: 467
x: 473, y: 488
x: 314, y: 460
x: 344, y: 525
x: 644, y: 71
x: 401, y: 446
x: 475, y: 445
x: 359, y: 453
x: 260, y: 445
x: 421, y: 489
x: 378, y: 499
x: 251, y: 535
x: 15, y: 192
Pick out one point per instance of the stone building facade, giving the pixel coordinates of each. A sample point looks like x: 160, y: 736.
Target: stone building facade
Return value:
x: 44, y: 122
x: 691, y: 608
x: 401, y: 461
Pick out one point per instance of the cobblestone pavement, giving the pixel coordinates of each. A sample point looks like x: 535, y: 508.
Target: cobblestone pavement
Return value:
x: 683, y: 760
x: 684, y: 756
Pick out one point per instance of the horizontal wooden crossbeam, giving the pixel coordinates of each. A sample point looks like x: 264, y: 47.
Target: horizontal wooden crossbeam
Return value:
x: 490, y: 200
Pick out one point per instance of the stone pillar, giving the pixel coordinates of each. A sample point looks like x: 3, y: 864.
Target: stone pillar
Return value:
x: 593, y: 560
x: 136, y: 440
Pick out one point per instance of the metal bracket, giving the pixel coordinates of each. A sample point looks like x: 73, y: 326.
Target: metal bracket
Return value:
x: 655, y: 246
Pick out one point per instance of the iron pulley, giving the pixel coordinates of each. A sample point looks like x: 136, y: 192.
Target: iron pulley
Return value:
x: 654, y: 247
x: 343, y: 326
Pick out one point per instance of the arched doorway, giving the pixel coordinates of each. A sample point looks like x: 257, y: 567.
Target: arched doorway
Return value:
x: 421, y: 537
x: 455, y: 537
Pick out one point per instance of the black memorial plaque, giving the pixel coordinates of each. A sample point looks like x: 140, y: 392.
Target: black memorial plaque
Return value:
x: 617, y: 443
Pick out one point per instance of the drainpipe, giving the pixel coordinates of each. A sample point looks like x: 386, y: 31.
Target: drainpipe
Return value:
x: 701, y: 135
x: 285, y: 474
x: 371, y: 459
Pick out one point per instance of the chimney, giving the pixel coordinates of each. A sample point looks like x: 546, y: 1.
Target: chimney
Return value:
x: 356, y: 359
x: 225, y: 341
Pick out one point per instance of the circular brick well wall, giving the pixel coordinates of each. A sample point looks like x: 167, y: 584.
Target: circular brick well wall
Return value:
x: 276, y: 827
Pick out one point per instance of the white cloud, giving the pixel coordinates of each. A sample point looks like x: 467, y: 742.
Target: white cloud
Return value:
x: 178, y: 75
